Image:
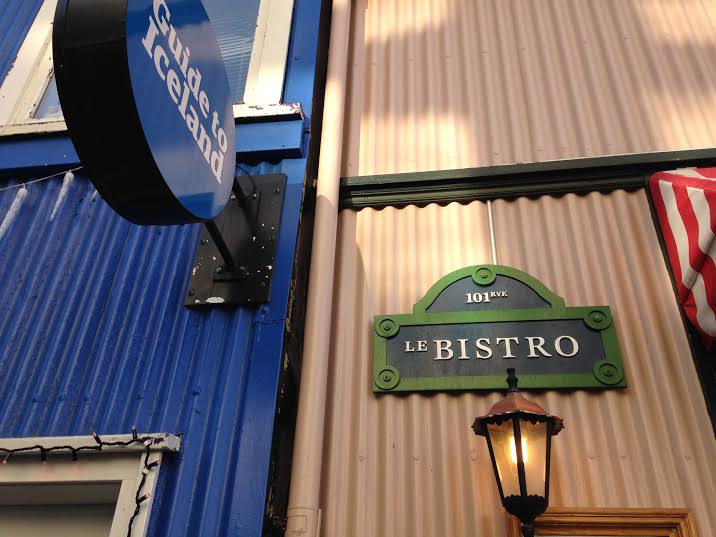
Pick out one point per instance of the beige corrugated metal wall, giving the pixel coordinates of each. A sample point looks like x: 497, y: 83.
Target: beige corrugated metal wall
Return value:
x: 409, y: 466
x: 440, y: 84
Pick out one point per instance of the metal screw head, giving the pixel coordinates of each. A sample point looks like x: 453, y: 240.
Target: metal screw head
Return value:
x: 218, y: 269
x: 262, y: 284
x: 277, y: 190
x: 233, y: 196
x: 597, y: 317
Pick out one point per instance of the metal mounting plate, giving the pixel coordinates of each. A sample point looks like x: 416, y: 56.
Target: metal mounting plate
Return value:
x: 250, y: 230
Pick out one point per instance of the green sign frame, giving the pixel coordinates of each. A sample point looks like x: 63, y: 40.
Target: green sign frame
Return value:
x: 606, y: 373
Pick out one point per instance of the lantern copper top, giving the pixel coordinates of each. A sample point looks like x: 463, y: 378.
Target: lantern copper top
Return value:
x: 515, y: 403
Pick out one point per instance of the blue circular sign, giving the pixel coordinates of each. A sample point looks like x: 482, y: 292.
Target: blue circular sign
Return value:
x: 169, y: 155
x: 183, y: 99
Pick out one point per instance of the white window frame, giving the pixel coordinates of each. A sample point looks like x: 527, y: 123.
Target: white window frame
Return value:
x: 267, y: 67
x: 22, y: 90
x: 114, y: 464
x: 25, y: 84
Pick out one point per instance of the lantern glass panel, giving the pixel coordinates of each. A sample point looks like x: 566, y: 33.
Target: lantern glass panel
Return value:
x: 534, y: 453
x: 502, y: 438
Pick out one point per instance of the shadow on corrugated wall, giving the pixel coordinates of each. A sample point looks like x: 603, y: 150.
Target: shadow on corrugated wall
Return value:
x: 445, y: 84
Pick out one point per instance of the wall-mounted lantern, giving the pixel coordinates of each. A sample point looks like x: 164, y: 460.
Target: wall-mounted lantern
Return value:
x: 519, y: 437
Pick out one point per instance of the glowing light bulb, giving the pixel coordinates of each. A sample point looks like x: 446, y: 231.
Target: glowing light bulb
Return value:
x: 513, y: 450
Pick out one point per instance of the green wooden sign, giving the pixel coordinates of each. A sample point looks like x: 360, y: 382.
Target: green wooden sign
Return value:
x: 477, y: 321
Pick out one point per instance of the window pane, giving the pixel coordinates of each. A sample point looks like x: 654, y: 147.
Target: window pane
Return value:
x: 234, y: 22
x: 534, y: 452
x: 503, y: 445
x: 58, y: 509
x: 56, y: 520
x: 49, y: 106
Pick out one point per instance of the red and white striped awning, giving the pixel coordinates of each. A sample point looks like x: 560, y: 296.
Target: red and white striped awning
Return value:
x: 685, y: 202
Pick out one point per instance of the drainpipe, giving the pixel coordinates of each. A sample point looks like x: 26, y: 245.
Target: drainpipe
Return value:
x: 304, y: 515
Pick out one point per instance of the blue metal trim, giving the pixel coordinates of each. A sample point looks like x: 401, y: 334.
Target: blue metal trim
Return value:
x: 255, y: 142
x: 303, y: 47
x: 269, y: 141
x: 37, y: 155
x: 257, y: 422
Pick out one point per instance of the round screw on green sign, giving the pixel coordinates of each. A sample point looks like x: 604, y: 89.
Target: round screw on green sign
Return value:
x: 387, y: 328
x: 484, y: 276
x: 598, y: 320
x: 388, y: 378
x: 608, y: 373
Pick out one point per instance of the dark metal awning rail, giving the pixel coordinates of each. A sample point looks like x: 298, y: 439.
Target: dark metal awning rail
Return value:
x: 512, y: 180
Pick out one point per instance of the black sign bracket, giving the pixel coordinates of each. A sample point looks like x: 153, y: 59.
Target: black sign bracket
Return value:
x: 236, y: 253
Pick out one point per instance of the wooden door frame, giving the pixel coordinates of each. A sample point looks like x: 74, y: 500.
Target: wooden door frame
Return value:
x: 608, y: 521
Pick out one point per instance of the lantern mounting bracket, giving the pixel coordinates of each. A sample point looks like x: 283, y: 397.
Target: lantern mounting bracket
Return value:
x: 235, y: 257
x: 512, y: 381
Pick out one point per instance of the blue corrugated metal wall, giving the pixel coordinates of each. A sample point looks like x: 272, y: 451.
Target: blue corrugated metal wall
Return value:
x: 16, y: 17
x: 94, y: 334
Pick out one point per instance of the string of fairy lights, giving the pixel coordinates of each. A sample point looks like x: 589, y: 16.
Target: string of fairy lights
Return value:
x: 148, y: 466
x: 23, y: 184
